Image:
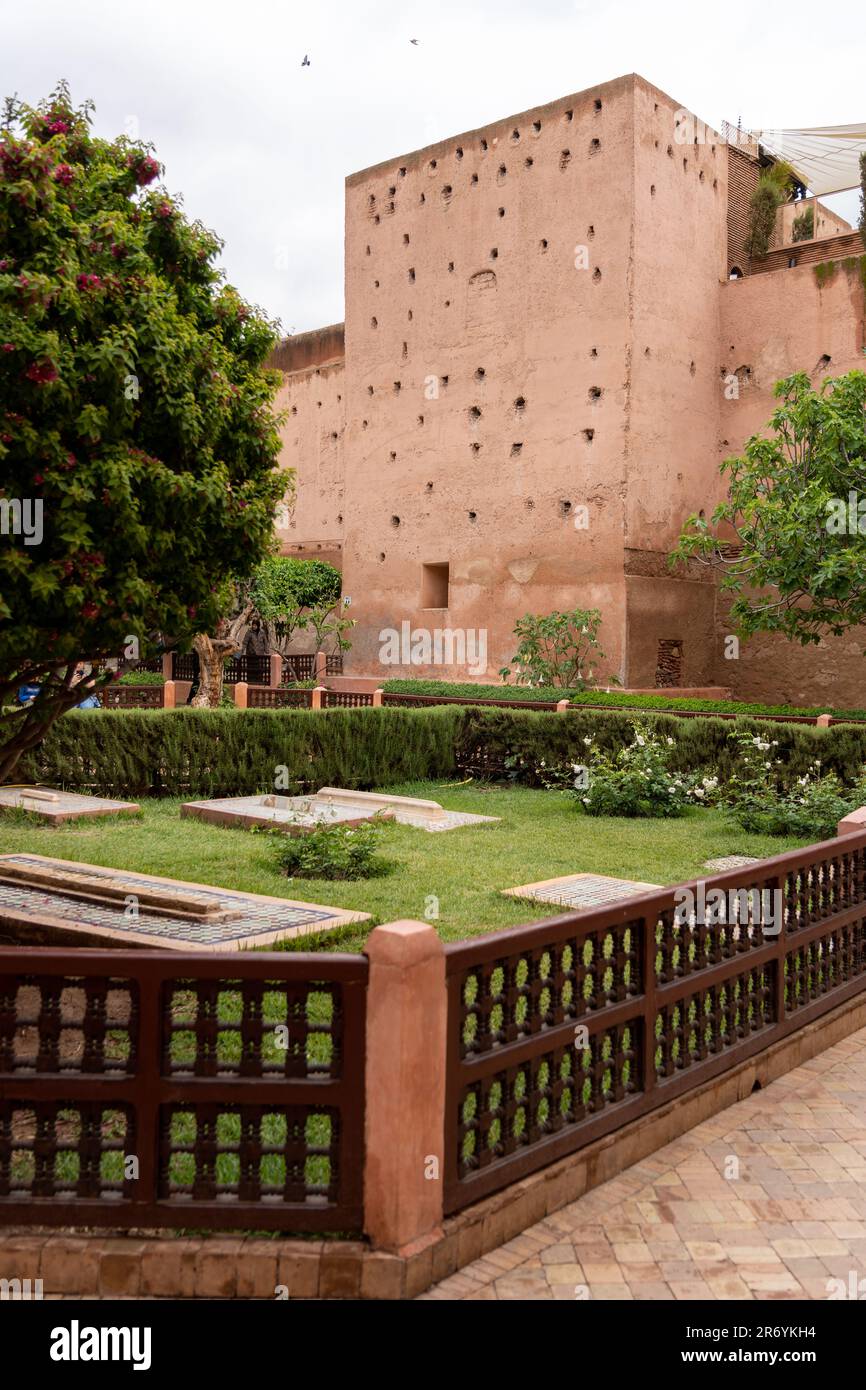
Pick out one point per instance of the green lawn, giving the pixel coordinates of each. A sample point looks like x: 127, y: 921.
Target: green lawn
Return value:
x: 540, y: 836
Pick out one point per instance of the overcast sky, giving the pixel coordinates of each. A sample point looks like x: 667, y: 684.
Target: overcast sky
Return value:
x: 259, y: 146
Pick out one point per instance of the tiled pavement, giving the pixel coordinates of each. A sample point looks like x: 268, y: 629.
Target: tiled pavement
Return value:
x: 684, y: 1224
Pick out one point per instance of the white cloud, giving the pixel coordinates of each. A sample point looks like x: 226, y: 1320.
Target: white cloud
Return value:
x: 260, y: 146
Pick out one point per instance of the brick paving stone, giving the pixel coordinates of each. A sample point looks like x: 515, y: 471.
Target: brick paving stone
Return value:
x: 673, y: 1226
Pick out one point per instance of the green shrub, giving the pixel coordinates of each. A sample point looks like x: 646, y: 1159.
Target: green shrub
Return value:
x: 333, y: 852
x: 635, y: 781
x: 198, y: 753
x: 763, y: 799
x: 142, y: 678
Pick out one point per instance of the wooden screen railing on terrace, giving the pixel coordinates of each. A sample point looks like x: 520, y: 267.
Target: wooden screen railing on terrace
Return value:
x: 666, y: 1003
x: 153, y: 1088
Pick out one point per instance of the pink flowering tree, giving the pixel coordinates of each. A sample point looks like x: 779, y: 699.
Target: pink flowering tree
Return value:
x: 138, y: 446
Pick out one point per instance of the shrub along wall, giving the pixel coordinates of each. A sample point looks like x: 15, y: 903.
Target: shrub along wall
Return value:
x: 226, y: 752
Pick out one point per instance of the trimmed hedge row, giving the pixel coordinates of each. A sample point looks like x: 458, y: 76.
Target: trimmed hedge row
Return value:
x: 226, y: 752
x: 614, y: 699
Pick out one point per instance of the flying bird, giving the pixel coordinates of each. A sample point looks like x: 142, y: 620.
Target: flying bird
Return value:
x: 415, y: 41
x: 306, y: 62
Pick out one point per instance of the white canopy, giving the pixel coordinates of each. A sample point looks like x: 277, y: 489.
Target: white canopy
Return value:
x: 827, y: 158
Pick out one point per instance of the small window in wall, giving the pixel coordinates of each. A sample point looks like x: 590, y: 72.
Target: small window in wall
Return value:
x: 434, y: 585
x: 736, y: 273
x: 669, y: 662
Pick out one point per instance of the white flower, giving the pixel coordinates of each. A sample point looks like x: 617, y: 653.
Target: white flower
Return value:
x: 670, y: 743
x: 699, y: 791
x: 587, y: 741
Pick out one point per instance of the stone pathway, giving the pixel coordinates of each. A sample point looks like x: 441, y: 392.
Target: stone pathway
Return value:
x: 785, y: 1225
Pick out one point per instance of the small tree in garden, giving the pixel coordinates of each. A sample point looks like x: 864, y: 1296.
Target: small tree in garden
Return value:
x: 790, y: 539
x: 290, y: 595
x: 557, y: 649
x: 135, y: 416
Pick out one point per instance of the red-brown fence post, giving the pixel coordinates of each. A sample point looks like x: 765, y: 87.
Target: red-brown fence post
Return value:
x: 317, y: 701
x: 562, y: 706
x: 276, y: 675
x: 823, y: 721
x: 169, y: 695
x: 240, y: 689
x: 377, y: 698
x: 168, y: 666
x: 855, y: 820
x: 321, y: 668
x: 405, y: 1102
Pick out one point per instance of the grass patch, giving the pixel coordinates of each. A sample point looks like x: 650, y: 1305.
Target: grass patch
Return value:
x: 540, y: 835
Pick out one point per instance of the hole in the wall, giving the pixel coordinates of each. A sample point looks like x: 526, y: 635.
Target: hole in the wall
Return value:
x: 364, y: 424
x: 564, y: 507
x: 420, y: 419
x: 339, y: 518
x: 652, y: 190
x: 377, y: 219
x: 333, y: 434
x: 381, y: 555
x: 685, y: 166
x: 564, y: 159
x: 405, y: 238
x: 543, y: 244
x: 319, y: 404
x: 594, y: 146
x: 670, y: 151
x: 474, y: 178
x: 692, y: 368
x: 411, y: 274
x: 501, y: 173
x: 701, y: 176
x: 475, y: 447
x: 294, y: 410
x: 473, y: 516
x: 598, y: 103
x: 395, y: 521
x: 368, y: 250
x: 589, y: 436
x: 590, y: 232
x: 568, y: 116
x: 536, y: 126
x: 432, y: 165
x: 593, y: 352
x: 410, y: 316
x: 529, y: 504
x: 450, y: 267
x: 391, y: 191
x: 443, y: 381
x: 374, y: 322
x: 596, y: 275
x: 515, y: 136
x: 375, y: 284
x: 669, y: 662
x: 646, y: 352
x: 422, y: 199
x: 405, y: 351
x: 516, y: 450
x: 494, y: 253
x: 483, y: 146
x: 434, y: 585
x: 402, y: 172
x: 528, y: 162
x: 447, y: 303
x: 397, y: 387
x: 474, y: 413
x: 756, y: 1085
x: 458, y: 153
x: 446, y: 193
x: 369, y: 390
x: 480, y: 373
x: 520, y: 404
x: 393, y: 455
x: 428, y: 487
x: 595, y: 393
x: 715, y: 183
x: 501, y: 212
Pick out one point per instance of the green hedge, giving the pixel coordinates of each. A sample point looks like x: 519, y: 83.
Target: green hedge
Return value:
x: 614, y: 699
x: 515, y: 742
x: 225, y: 752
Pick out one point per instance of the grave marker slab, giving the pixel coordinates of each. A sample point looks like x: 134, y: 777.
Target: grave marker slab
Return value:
x: 43, y: 901
x: 58, y: 806
x: 580, y: 891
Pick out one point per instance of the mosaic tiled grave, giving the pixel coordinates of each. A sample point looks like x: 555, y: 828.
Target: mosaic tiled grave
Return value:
x: 730, y: 861
x: 329, y: 806
x: 57, y: 807
x: 580, y: 890
x: 48, y: 900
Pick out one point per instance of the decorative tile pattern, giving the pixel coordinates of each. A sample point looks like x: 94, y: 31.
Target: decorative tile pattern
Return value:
x: 580, y: 890
x: 730, y: 861
x: 260, y: 916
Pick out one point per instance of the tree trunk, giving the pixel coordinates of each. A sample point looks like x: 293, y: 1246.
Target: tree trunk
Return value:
x: 212, y: 653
